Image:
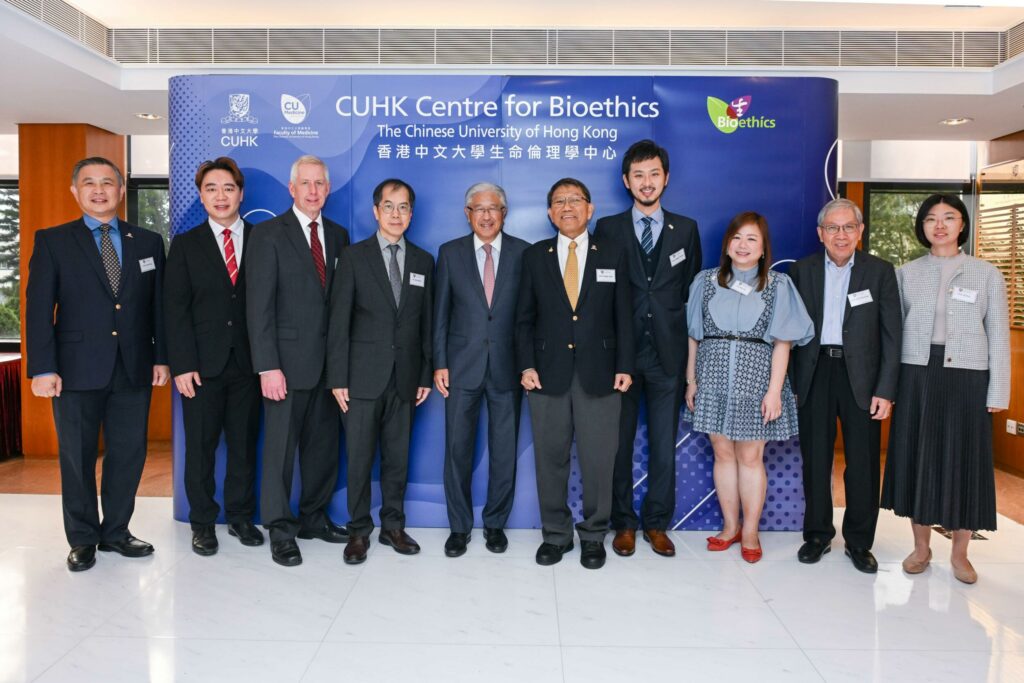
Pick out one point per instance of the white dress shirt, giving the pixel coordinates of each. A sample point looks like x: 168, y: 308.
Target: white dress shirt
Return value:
x: 237, y: 235
x: 481, y: 254
x: 304, y: 221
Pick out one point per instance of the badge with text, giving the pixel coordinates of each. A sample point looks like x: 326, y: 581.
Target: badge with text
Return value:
x: 417, y: 280
x: 741, y: 287
x: 606, y: 275
x: 968, y: 296
x: 861, y: 297
x: 146, y: 264
x: 677, y: 258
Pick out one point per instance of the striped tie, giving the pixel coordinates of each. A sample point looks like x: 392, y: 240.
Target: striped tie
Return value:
x: 229, y: 256
x: 109, y: 257
x: 647, y: 237
x: 318, y: 254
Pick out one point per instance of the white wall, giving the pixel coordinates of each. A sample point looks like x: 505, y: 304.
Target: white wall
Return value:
x: 907, y: 160
x: 8, y: 156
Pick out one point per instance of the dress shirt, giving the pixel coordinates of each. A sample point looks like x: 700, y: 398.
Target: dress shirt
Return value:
x: 386, y: 253
x: 237, y: 231
x: 115, y: 233
x: 304, y: 221
x: 582, y: 245
x: 657, y: 223
x: 481, y: 254
x: 837, y: 284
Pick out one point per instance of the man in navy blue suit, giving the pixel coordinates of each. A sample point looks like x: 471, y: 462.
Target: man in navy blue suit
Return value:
x: 474, y: 325
x: 95, y: 345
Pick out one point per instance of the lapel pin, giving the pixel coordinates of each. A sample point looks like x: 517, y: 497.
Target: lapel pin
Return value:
x: 127, y: 234
x: 550, y: 249
x: 670, y: 227
x: 593, y: 247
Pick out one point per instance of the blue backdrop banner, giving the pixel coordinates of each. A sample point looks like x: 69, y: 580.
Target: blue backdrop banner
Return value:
x: 736, y: 144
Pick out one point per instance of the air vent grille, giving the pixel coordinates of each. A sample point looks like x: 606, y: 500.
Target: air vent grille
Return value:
x: 643, y: 48
x: 754, y: 48
x: 240, y: 45
x: 522, y: 46
x: 585, y: 47
x: 407, y: 46
x: 463, y: 46
x: 698, y: 48
x: 811, y: 48
x: 185, y: 46
x: 296, y: 46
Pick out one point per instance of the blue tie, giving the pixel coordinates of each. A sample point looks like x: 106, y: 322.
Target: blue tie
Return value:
x: 647, y: 238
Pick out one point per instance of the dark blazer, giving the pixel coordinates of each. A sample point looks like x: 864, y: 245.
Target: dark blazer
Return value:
x: 872, y: 332
x: 664, y: 298
x: 595, y: 341
x: 205, y: 313
x: 74, y: 325
x: 286, y: 307
x: 471, y: 339
x: 369, y: 335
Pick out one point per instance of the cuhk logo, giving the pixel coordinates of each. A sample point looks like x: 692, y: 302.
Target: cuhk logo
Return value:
x: 295, y: 109
x: 238, y: 109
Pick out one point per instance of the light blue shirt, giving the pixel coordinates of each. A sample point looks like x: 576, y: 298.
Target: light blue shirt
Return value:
x: 115, y: 233
x: 657, y: 223
x: 481, y: 254
x: 837, y: 284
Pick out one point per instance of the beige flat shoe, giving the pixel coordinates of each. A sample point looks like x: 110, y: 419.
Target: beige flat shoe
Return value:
x: 965, y: 574
x: 912, y: 566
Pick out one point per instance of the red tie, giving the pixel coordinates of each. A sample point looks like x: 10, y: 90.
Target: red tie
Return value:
x: 318, y: 254
x: 229, y: 256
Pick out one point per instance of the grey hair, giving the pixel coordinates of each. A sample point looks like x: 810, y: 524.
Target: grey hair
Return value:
x: 837, y: 205
x: 96, y: 161
x: 309, y: 159
x: 477, y: 188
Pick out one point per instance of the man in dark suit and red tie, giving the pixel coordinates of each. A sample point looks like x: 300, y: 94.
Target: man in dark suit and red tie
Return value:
x: 204, y: 305
x: 664, y: 254
x: 95, y: 345
x: 474, y: 323
x: 291, y: 263
x: 574, y: 345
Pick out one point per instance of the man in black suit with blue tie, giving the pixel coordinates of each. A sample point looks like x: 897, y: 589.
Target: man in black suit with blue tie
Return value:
x: 664, y: 254
x: 474, y: 323
x: 95, y: 345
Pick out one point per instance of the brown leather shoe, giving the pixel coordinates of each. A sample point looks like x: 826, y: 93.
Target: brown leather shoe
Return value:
x: 355, y: 549
x: 660, y: 542
x: 400, y: 541
x: 912, y: 566
x: 965, y: 573
x: 625, y: 542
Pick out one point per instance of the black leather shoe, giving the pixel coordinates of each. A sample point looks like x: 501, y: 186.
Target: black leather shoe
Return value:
x: 549, y: 553
x: 400, y: 541
x: 497, y: 541
x: 811, y: 551
x: 328, y: 531
x: 286, y: 553
x: 862, y: 559
x: 204, y: 541
x: 246, y: 532
x: 355, y: 551
x: 455, y: 546
x: 592, y: 554
x: 129, y: 547
x: 82, y: 557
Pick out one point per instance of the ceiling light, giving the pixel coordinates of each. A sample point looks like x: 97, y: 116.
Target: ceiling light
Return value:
x: 148, y: 116
x: 956, y: 121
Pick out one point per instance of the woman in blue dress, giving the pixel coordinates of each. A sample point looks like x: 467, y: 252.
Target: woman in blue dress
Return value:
x: 743, y: 318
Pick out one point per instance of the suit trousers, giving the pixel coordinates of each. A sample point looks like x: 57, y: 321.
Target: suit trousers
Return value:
x: 387, y: 421
x: 122, y: 410
x: 595, y: 421
x: 662, y: 393
x: 228, y: 402
x: 830, y: 396
x: 307, y: 418
x: 462, y: 414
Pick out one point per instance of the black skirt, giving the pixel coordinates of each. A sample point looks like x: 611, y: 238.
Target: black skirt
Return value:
x: 939, y: 466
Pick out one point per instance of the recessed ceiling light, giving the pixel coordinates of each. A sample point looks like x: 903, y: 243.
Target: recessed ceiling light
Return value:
x: 149, y: 117
x: 956, y: 121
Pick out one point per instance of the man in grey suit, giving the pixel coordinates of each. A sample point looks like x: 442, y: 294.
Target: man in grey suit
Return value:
x: 291, y: 262
x: 378, y: 364
x: 474, y: 322
x: 849, y: 370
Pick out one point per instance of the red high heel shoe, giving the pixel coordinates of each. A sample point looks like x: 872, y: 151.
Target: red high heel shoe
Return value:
x: 716, y: 544
x: 751, y: 555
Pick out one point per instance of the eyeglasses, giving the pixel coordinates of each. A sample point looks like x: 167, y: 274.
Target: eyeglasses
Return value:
x: 388, y: 207
x: 848, y: 228
x: 949, y: 219
x: 482, y: 210
x: 562, y: 202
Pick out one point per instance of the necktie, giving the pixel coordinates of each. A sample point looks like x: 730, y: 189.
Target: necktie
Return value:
x: 394, y: 275
x: 571, y: 277
x: 229, y: 256
x: 109, y: 257
x: 488, y: 274
x: 318, y: 254
x: 647, y: 237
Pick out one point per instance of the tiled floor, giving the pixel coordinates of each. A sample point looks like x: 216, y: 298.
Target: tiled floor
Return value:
x: 698, y: 617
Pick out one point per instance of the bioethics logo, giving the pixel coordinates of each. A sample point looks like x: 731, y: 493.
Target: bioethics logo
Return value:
x: 730, y: 117
x: 295, y: 109
x: 238, y: 109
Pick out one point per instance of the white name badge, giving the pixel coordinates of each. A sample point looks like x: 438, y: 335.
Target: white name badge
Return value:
x: 417, y: 280
x: 146, y: 264
x: 677, y: 258
x: 606, y: 275
x: 861, y: 297
x: 969, y: 296
x: 741, y: 287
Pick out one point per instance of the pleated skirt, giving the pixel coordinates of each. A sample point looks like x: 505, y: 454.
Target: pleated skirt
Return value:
x: 939, y: 466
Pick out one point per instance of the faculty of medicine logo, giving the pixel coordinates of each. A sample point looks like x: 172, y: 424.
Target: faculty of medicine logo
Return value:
x: 728, y: 117
x: 238, y: 109
x: 294, y: 109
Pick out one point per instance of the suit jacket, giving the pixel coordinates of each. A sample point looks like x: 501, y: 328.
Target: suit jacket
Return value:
x: 205, y: 313
x: 286, y: 307
x: 369, y: 336
x: 595, y: 340
x: 871, y: 331
x: 74, y: 324
x: 470, y: 338
x: 662, y: 301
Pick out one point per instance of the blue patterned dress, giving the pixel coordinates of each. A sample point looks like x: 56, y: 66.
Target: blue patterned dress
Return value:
x: 733, y: 374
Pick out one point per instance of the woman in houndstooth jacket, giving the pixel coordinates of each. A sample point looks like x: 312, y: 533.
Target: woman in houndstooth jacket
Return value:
x: 954, y: 372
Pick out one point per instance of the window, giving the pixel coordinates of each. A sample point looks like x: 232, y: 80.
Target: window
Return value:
x: 10, y: 321
x: 889, y: 214
x: 1000, y: 240
x: 149, y: 204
